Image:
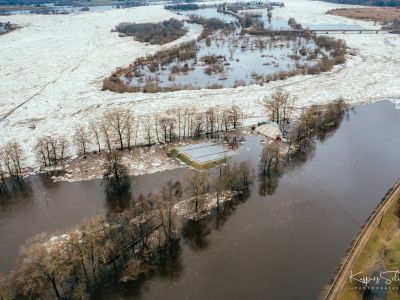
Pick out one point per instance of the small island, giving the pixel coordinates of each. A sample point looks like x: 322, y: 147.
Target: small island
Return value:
x: 153, y: 33
x: 7, y: 27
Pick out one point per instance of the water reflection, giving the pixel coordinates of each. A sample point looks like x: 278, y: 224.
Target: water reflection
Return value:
x: 301, y: 219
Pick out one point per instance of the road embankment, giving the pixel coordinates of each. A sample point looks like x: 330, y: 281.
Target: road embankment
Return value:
x: 340, y: 277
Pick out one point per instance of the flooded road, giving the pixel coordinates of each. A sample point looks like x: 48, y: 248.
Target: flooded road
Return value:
x: 282, y: 242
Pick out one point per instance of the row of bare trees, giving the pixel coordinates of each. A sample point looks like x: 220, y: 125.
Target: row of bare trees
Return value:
x: 318, y: 120
x: 11, y: 158
x: 314, y: 122
x: 235, y: 177
x: 120, y: 130
x: 73, y: 265
x: 125, y: 245
x: 279, y: 107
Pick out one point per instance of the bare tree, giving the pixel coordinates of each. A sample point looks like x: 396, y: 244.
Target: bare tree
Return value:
x: 210, y: 121
x: 235, y: 116
x: 156, y: 121
x: 164, y: 122
x: 41, y: 269
x: 198, y: 125
x: 95, y: 133
x: 5, y: 293
x: 179, y: 115
x: 119, y: 120
x: 115, y: 177
x: 266, y: 160
x: 171, y: 194
x: 129, y: 132
x: 279, y: 107
x: 198, y: 187
x: 11, y: 157
x: 51, y: 150
x: 81, y: 139
x: 146, y: 121
x: 3, y: 183
x: 106, y: 133
x: 270, y: 157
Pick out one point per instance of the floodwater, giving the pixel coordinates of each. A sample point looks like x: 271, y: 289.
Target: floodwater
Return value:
x: 282, y: 242
x: 242, y: 59
x: 41, y: 205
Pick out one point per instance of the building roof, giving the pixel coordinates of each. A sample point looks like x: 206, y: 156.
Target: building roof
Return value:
x: 270, y: 130
x: 204, y: 153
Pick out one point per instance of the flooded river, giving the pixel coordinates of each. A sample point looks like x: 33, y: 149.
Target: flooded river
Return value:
x: 282, y: 242
x: 228, y: 58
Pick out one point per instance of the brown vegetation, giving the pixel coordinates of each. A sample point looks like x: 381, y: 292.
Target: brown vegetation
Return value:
x: 7, y: 27
x: 117, y: 129
x: 180, y: 53
x: 11, y: 164
x: 153, y: 33
x: 115, y: 176
x: 127, y: 245
x: 318, y: 120
x: 378, y: 14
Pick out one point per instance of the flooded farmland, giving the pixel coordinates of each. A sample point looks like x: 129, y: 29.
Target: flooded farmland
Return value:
x: 282, y: 241
x: 225, y: 57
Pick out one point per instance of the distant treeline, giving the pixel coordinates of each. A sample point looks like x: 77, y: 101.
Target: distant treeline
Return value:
x: 128, y: 3
x: 153, y: 33
x: 22, y: 2
x: 390, y: 3
x: 185, y: 6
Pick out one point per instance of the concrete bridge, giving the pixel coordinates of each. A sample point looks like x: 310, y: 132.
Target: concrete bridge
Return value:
x: 327, y: 31
x: 301, y: 32
x: 332, y: 31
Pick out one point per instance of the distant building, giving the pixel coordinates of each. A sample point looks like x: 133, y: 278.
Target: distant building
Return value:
x: 271, y: 130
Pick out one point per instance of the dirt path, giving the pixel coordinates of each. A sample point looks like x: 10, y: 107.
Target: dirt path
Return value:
x: 341, y: 275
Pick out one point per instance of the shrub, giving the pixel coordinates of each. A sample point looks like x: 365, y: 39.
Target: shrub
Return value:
x: 153, y: 33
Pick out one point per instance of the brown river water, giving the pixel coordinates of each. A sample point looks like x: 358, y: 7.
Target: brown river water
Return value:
x: 282, y: 242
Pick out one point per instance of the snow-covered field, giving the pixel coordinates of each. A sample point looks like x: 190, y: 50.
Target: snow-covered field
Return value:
x: 51, y: 71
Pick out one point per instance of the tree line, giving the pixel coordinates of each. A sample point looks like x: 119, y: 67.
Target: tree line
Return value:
x: 390, y: 3
x: 119, y: 129
x: 11, y: 159
x: 314, y: 121
x: 126, y: 245
x: 153, y: 33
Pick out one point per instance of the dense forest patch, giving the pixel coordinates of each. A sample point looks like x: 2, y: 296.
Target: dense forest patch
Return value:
x: 153, y: 33
x: 183, y: 6
x: 7, y: 27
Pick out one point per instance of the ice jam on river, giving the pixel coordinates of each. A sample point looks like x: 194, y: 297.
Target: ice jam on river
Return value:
x: 51, y: 70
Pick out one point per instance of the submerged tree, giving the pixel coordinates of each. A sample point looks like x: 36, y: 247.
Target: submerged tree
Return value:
x: 115, y: 177
x: 5, y: 293
x: 198, y: 187
x: 170, y: 195
x: 269, y: 158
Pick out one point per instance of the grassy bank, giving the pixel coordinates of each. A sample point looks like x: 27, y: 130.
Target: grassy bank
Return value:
x: 377, y: 14
x: 381, y: 249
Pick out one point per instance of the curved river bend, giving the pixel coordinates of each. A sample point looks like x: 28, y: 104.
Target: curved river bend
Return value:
x: 282, y: 242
